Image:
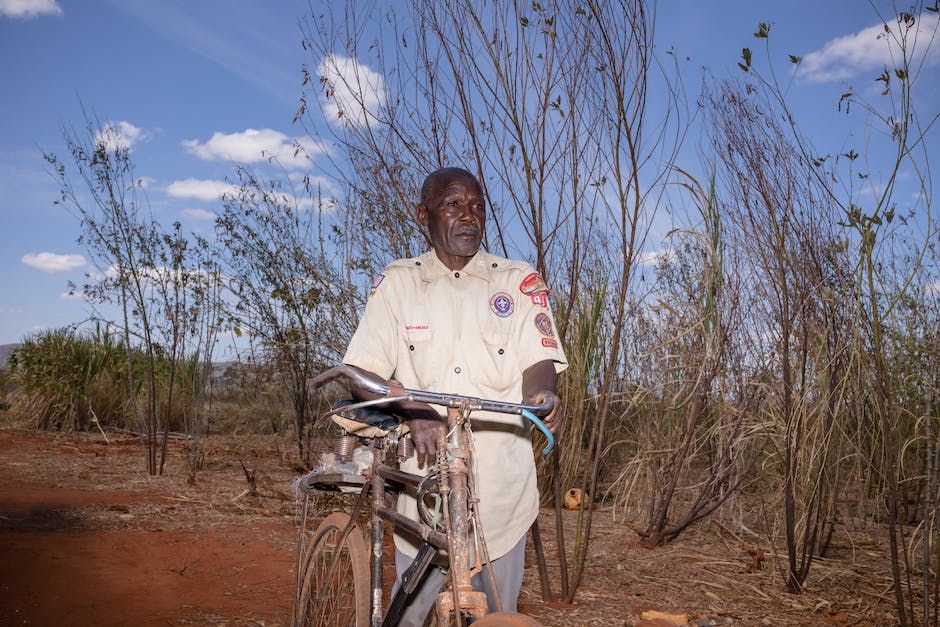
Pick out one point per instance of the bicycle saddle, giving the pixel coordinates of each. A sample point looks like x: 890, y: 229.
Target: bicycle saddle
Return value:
x: 374, y: 416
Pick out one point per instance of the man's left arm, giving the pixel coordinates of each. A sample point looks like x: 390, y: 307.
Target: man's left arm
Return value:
x: 540, y: 381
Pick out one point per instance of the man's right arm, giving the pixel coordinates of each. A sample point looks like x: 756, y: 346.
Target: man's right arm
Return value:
x: 376, y: 349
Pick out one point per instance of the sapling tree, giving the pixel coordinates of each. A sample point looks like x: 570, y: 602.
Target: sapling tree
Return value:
x: 141, y: 270
x: 284, y: 291
x: 547, y: 104
x: 876, y: 219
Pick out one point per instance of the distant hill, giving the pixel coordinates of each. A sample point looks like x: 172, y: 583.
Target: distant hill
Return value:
x: 5, y: 351
x: 219, y: 368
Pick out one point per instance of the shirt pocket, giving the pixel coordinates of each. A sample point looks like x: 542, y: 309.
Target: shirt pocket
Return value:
x: 498, y: 372
x: 423, y: 358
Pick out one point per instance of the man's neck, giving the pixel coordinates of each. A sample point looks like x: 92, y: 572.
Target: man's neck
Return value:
x: 452, y: 262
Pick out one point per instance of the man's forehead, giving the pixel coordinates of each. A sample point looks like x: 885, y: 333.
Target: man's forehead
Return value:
x: 454, y: 185
x: 435, y: 183
x: 459, y: 186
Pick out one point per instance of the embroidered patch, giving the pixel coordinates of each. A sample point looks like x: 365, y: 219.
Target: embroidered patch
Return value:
x: 533, y: 284
x: 376, y: 283
x: 501, y: 304
x: 549, y: 342
x: 540, y: 299
x: 544, y: 324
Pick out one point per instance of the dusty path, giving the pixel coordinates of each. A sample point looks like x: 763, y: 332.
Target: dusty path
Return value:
x: 88, y: 538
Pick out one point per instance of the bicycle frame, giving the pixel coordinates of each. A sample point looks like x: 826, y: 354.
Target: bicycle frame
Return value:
x: 453, y: 463
x: 454, y: 484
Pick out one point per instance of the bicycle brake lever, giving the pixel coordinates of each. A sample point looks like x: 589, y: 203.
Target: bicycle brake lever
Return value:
x: 541, y: 427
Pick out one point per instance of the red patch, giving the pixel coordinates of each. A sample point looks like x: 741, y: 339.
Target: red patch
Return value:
x: 549, y: 342
x: 533, y: 284
x: 540, y: 299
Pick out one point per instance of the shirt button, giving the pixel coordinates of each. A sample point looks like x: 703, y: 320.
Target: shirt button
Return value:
x: 417, y: 263
x: 411, y: 347
x: 457, y: 369
x: 494, y: 265
x: 501, y: 351
x: 457, y: 274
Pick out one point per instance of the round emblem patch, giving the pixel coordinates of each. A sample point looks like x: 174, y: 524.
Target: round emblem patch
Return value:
x: 501, y: 304
x: 544, y: 324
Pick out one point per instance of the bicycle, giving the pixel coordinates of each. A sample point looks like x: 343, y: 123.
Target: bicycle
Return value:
x: 339, y: 578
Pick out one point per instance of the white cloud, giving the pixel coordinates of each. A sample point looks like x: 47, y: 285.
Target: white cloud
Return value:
x: 72, y: 296
x: 353, y: 90
x: 29, y: 8
x: 52, y: 262
x: 205, y: 190
x: 933, y: 287
x: 208, y: 191
x: 119, y: 136
x: 198, y: 214
x: 871, y: 49
x: 156, y: 276
x: 10, y: 310
x: 656, y: 257
x: 252, y: 146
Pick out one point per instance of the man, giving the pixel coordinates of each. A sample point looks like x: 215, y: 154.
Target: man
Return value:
x: 460, y: 320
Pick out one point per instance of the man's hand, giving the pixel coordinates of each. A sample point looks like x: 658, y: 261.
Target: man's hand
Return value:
x: 539, y: 382
x: 426, y: 434
x: 555, y: 418
x: 427, y: 426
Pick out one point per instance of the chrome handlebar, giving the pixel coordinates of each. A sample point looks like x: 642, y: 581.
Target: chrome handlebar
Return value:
x: 380, y: 387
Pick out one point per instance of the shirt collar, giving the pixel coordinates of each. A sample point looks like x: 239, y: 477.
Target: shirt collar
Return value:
x: 479, y: 266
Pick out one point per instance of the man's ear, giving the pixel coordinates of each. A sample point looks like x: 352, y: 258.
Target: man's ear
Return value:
x: 421, y: 213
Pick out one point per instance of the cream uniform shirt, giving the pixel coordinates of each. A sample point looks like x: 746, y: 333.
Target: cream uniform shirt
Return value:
x: 472, y: 332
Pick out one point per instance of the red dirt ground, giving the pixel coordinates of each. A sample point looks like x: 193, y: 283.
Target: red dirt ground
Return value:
x: 88, y: 538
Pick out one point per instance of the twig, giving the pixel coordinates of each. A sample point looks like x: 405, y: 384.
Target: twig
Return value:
x: 94, y: 419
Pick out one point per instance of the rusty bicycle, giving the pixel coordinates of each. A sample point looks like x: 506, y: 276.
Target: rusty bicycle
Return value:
x: 340, y: 575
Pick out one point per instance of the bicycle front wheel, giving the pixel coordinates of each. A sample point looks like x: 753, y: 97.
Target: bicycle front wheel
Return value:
x: 335, y: 582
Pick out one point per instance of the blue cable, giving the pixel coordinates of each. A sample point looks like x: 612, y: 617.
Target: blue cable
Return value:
x: 541, y: 426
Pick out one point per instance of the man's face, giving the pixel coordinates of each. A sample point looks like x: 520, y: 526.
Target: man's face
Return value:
x: 455, y: 216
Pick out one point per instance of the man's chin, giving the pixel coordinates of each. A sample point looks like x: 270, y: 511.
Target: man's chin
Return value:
x: 465, y: 247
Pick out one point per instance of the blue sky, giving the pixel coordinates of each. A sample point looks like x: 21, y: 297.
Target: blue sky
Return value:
x: 195, y: 85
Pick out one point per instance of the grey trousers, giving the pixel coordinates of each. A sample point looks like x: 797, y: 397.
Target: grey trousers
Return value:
x: 507, y: 570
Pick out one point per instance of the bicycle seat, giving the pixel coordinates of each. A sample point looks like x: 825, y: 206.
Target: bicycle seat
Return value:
x: 366, y: 422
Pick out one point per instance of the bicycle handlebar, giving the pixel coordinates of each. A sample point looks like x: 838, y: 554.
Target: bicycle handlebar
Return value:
x: 380, y: 387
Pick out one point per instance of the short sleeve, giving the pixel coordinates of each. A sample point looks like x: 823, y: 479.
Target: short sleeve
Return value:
x: 537, y: 335
x: 373, y: 346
